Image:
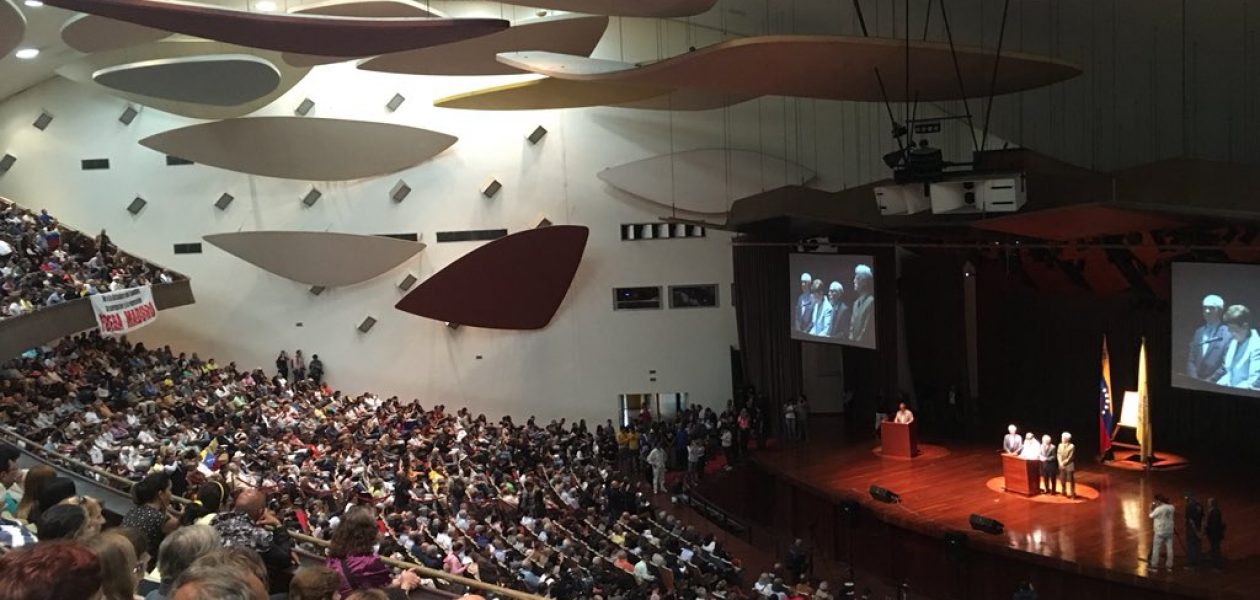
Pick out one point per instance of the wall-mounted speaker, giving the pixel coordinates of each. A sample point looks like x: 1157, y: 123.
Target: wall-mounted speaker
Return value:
x: 312, y: 197
x: 136, y: 205
x: 491, y: 188
x: 224, y: 201
x: 395, y: 102
x: 304, y: 108
x: 43, y: 121
x: 6, y: 162
x: 987, y: 525
x: 317, y: 290
x: 367, y: 324
x: 407, y: 282
x: 400, y: 191
x: 128, y: 115
x: 537, y: 134
x: 452, y: 325
x: 884, y: 495
x: 539, y: 222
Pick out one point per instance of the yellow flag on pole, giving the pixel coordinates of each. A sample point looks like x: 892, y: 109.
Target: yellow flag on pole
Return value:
x: 1147, y: 449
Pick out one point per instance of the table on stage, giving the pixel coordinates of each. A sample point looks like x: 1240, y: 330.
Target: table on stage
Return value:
x: 1022, y: 476
x: 898, y: 439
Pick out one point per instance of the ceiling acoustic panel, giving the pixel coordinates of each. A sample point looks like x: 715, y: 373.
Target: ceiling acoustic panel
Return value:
x: 317, y: 258
x: 624, y: 8
x: 548, y: 93
x: 576, y: 35
x: 824, y: 67
x: 12, y: 27
x: 216, y: 80
x: 303, y: 34
x: 89, y: 34
x: 704, y: 181
x: 302, y: 147
x: 369, y: 9
x: 534, y: 268
x: 82, y: 70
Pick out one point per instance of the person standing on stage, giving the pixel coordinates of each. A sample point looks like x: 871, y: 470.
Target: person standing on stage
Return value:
x: 903, y: 416
x: 1163, y: 515
x: 1067, y: 465
x: 1031, y: 449
x: 1214, y: 529
x: 1012, y: 443
x: 1194, y: 530
x: 656, y: 459
x: 1049, y: 464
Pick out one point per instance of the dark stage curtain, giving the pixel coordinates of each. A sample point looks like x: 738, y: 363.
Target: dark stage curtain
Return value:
x: 772, y: 361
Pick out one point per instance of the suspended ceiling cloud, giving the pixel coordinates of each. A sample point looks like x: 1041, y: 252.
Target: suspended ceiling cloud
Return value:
x: 548, y: 93
x: 514, y: 282
x: 704, y: 181
x: 317, y: 257
x: 624, y: 8
x: 826, y: 67
x: 82, y: 70
x: 367, y: 9
x: 303, y: 148
x: 575, y: 35
x: 224, y: 80
x: 12, y: 27
x: 90, y: 33
x: 303, y: 34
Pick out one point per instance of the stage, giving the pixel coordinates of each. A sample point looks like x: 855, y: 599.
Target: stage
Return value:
x: 1095, y: 547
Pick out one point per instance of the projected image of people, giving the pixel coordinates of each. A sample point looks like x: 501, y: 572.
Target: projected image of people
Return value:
x: 1214, y: 326
x: 834, y: 299
x: 1241, y: 366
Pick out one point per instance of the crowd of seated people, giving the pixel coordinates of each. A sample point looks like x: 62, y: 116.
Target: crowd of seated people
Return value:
x: 43, y: 263
x: 557, y: 510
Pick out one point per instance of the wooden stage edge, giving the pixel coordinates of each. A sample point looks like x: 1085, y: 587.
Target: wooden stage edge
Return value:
x: 1092, y: 549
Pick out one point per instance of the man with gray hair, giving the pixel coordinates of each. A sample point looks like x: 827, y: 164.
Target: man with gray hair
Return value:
x: 179, y: 551
x: 860, y: 329
x: 830, y: 313
x: 218, y: 583
x: 803, y: 317
x: 1206, y: 354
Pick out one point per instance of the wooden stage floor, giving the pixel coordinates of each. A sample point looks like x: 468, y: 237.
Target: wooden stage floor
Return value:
x: 1107, y: 538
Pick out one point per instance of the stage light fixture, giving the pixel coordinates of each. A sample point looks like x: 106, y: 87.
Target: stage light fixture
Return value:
x: 884, y: 495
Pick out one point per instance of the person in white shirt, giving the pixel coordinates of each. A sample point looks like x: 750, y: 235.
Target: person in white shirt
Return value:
x: 1163, y: 516
x: 1031, y: 449
x: 904, y: 416
x: 656, y: 458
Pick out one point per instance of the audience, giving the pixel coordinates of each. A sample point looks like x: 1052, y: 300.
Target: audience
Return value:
x: 120, y: 569
x: 58, y: 570
x: 178, y: 552
x: 315, y: 583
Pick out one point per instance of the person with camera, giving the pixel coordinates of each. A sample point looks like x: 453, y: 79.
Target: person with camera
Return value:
x: 1163, y: 516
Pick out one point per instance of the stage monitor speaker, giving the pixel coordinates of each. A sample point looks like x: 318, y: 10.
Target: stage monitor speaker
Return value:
x: 367, y: 324
x: 400, y: 191
x: 395, y: 102
x: 986, y: 525
x: 537, y: 135
x: 136, y: 205
x: 304, y: 108
x: 884, y: 495
x: 43, y: 121
x: 224, y: 201
x: 128, y: 115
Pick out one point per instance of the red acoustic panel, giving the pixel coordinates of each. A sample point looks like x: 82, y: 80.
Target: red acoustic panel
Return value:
x: 305, y: 34
x: 515, y: 282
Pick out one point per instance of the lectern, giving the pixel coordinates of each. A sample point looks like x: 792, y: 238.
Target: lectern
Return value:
x: 899, y: 439
x: 1022, y: 476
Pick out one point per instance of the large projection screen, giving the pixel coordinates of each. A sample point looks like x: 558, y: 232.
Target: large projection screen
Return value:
x: 832, y: 299
x: 1215, y: 345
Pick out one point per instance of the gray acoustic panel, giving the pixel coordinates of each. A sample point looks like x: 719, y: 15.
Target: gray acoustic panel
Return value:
x: 43, y: 121
x: 537, y: 135
x: 136, y: 205
x: 6, y: 162
x: 407, y: 282
x: 395, y: 102
x: 491, y: 188
x: 312, y: 197
x: 317, y: 258
x: 305, y: 107
x: 367, y: 324
x: 400, y: 191
x: 224, y: 201
x: 128, y: 115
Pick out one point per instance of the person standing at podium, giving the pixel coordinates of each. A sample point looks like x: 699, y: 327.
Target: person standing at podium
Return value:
x: 1049, y: 465
x: 1031, y: 449
x: 1067, y: 465
x: 1012, y: 443
x: 903, y: 416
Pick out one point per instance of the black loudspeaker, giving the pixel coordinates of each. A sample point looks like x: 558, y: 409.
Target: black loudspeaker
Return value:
x: 128, y: 115
x: 304, y: 108
x: 312, y: 197
x: 884, y: 495
x: 400, y: 191
x: 224, y: 201
x: 395, y: 102
x: 367, y: 324
x: 987, y: 525
x: 136, y: 205
x: 537, y: 135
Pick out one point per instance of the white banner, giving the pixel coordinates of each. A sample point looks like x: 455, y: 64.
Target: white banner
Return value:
x: 124, y: 310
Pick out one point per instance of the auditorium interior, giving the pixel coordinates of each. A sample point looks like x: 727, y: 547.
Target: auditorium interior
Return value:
x: 629, y: 299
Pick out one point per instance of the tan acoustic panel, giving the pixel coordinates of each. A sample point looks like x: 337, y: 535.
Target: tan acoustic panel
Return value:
x: 624, y: 8
x: 222, y: 80
x: 12, y: 27
x: 81, y: 71
x: 825, y: 67
x: 704, y: 181
x: 90, y: 33
x: 317, y: 257
x: 369, y: 9
x: 539, y: 94
x: 575, y: 35
x: 303, y: 148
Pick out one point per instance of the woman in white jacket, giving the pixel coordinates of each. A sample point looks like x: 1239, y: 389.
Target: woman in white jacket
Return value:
x: 1242, y: 357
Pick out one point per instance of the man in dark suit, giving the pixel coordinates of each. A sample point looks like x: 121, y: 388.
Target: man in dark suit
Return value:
x: 1206, y: 353
x: 803, y: 317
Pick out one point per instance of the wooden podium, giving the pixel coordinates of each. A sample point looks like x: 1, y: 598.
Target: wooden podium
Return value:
x: 1022, y: 476
x: 898, y: 440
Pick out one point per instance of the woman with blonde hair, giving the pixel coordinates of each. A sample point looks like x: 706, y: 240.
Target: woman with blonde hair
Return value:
x: 34, y: 483
x: 95, y: 516
x: 120, y: 570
